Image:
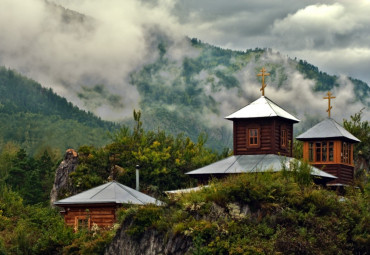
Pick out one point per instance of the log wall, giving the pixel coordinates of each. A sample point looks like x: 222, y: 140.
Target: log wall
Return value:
x: 345, y: 173
x: 103, y: 215
x: 270, y: 136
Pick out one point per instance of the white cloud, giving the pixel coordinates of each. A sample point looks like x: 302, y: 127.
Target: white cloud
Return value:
x: 103, y: 47
x: 291, y: 27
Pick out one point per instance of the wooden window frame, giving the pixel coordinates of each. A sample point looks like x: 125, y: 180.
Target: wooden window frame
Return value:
x: 317, y: 154
x: 283, y: 137
x: 346, y: 153
x: 254, y: 145
x: 311, y: 151
x: 81, y: 217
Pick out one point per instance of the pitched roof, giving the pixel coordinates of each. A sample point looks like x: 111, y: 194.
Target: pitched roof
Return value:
x: 327, y: 128
x: 252, y: 164
x: 262, y: 108
x: 111, y: 192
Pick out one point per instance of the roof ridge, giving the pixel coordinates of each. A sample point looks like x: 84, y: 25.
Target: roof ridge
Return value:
x: 255, y: 166
x: 335, y: 125
x: 237, y: 157
x: 268, y: 100
x: 124, y: 188
x: 109, y: 183
x: 243, y: 107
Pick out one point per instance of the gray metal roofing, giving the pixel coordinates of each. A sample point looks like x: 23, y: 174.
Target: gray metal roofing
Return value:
x: 252, y: 164
x: 327, y: 128
x: 111, y: 192
x: 262, y: 108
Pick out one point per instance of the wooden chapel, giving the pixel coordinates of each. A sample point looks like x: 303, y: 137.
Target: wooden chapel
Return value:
x: 262, y: 139
x: 329, y: 146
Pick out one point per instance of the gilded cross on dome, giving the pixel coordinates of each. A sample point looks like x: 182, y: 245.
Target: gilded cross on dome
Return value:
x: 329, y: 97
x: 263, y: 74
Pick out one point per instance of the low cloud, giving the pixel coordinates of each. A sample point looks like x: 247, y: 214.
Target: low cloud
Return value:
x: 73, y: 52
x: 87, y: 54
x: 296, y: 28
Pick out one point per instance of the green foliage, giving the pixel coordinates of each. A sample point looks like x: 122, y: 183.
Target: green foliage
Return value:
x: 31, y: 177
x: 360, y: 129
x: 34, y: 229
x: 324, y: 82
x: 35, y: 117
x: 30, y: 229
x: 264, y: 213
x: 163, y: 159
x: 142, y: 220
x: 90, y: 243
x: 297, y: 149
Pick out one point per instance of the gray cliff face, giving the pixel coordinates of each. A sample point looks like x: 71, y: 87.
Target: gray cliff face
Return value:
x: 152, y: 242
x: 61, y: 182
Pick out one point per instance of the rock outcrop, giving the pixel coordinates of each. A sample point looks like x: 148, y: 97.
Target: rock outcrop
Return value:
x: 62, y: 182
x: 152, y: 242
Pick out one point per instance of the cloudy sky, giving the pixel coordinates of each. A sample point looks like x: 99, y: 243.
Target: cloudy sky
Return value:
x: 73, y: 56
x: 333, y: 35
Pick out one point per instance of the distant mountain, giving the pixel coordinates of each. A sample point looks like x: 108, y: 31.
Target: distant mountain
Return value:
x: 193, y: 94
x: 35, y: 118
x: 181, y: 85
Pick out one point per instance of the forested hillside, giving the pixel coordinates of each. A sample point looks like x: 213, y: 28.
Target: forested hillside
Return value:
x: 36, y: 118
x: 189, y: 94
x: 194, y: 93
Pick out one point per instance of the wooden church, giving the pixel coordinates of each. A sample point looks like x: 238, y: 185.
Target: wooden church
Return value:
x: 329, y: 146
x: 263, y: 138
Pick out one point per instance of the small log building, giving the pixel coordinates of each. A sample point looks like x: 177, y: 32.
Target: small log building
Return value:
x: 329, y: 146
x: 98, y: 205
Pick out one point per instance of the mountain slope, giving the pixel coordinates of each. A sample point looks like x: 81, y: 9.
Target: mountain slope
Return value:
x: 194, y: 93
x: 35, y: 117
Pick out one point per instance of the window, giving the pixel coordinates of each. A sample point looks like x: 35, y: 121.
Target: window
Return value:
x: 82, y: 222
x: 318, y: 151
x: 346, y: 153
x: 283, y: 138
x: 331, y: 151
x: 310, y: 152
x: 321, y: 151
x: 253, y: 137
x: 324, y: 152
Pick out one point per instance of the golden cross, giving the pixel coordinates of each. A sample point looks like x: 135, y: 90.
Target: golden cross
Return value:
x: 263, y: 74
x: 329, y: 106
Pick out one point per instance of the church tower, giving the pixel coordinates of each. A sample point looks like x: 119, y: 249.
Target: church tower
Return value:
x: 328, y: 146
x: 263, y: 127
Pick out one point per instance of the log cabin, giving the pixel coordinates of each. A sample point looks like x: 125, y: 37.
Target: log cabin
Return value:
x: 98, y: 205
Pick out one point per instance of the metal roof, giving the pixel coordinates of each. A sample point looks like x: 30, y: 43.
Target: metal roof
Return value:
x: 252, y: 164
x: 111, y: 192
x: 262, y: 108
x: 327, y: 128
x: 188, y: 190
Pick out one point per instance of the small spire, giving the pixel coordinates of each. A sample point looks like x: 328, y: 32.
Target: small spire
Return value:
x: 329, y: 97
x: 263, y: 74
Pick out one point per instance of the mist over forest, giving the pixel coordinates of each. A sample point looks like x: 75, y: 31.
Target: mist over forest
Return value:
x: 112, y: 60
